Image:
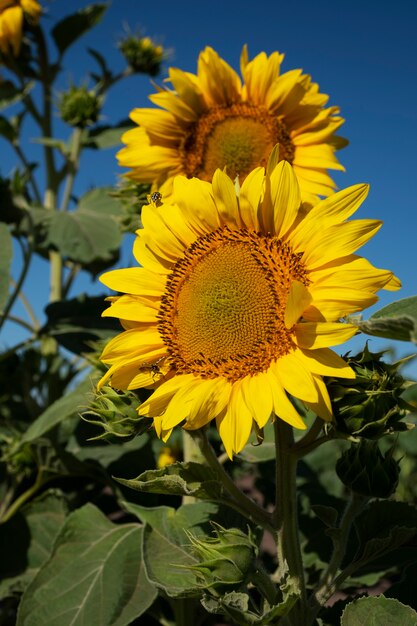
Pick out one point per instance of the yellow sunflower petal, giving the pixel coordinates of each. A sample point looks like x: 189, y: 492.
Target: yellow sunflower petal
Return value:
x: 135, y: 281
x: 295, y: 377
x: 314, y: 335
x: 298, y: 300
x: 285, y: 197
x: 323, y: 407
x: 258, y: 397
x: 325, y: 362
x: 159, y: 400
x: 219, y: 82
x: 338, y: 241
x: 236, y: 424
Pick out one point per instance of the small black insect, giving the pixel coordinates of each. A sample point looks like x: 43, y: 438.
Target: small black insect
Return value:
x: 155, y: 198
x: 153, y: 368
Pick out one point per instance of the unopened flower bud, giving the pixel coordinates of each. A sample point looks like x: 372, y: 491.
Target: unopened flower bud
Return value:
x: 226, y: 560
x: 366, y: 471
x: 79, y: 106
x: 142, y: 55
x: 116, y: 413
x: 371, y: 405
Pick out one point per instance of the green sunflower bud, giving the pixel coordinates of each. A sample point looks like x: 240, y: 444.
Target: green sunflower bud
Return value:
x: 371, y: 405
x: 79, y: 106
x: 366, y: 471
x: 116, y: 413
x: 226, y: 560
x: 142, y: 55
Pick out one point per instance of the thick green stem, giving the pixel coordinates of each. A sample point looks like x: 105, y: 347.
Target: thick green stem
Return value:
x: 72, y: 166
x: 23, y: 498
x: 191, y: 452
x: 242, y: 503
x: 285, y: 518
x: 27, y: 257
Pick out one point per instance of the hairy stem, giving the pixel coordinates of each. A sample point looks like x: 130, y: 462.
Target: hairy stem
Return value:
x: 285, y: 517
x: 245, y: 505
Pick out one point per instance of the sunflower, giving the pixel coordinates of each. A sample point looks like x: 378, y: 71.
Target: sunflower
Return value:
x: 237, y: 301
x: 213, y: 121
x: 12, y: 13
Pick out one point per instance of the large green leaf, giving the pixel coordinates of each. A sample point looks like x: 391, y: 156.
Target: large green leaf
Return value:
x: 6, y: 253
x: 179, y: 479
x: 166, y: 547
x: 66, y: 407
x: 383, y: 527
x: 74, y: 26
x: 378, y: 611
x: 84, y: 236
x: 34, y: 530
x: 395, y: 321
x: 94, y: 576
x: 102, y: 137
x: 76, y: 323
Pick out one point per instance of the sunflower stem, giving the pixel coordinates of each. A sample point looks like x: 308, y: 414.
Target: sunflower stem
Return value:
x: 285, y: 519
x: 191, y: 452
x: 239, y: 501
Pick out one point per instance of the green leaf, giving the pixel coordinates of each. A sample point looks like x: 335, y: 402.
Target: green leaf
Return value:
x: 95, y: 576
x: 51, y: 142
x: 166, y: 547
x: 102, y: 137
x: 66, y: 407
x: 68, y: 30
x: 378, y: 611
x: 106, y: 454
x: 6, y: 253
x: 34, y: 530
x: 178, y: 479
x: 100, y: 201
x: 77, y: 322
x: 383, y: 527
x: 84, y: 235
x: 395, y: 321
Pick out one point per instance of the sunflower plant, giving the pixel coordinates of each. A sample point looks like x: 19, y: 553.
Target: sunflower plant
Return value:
x: 195, y: 445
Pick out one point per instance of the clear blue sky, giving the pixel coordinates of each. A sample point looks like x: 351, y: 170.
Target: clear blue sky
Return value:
x: 362, y: 53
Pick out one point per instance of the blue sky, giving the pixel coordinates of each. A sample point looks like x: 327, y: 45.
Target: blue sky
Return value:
x: 363, y: 54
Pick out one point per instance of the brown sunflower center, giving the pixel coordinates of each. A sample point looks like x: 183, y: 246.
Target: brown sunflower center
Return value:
x: 222, y: 313
x: 239, y: 137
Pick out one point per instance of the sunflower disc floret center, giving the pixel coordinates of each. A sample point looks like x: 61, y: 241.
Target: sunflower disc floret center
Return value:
x: 239, y: 137
x: 222, y: 313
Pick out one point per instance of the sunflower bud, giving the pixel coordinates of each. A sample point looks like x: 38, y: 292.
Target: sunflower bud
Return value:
x: 366, y: 471
x: 116, y: 413
x: 226, y: 560
x: 370, y: 406
x: 79, y: 106
x: 142, y: 55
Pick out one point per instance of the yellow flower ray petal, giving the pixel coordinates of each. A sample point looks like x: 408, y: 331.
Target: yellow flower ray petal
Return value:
x: 135, y: 341
x: 333, y: 210
x: 236, y: 425
x: 258, y: 397
x: 159, y: 400
x: 323, y: 407
x: 295, y: 377
x: 338, y: 241
x: 225, y: 198
x: 314, y: 335
x: 285, y: 197
x: 325, y: 362
x: 135, y: 281
x: 298, y: 300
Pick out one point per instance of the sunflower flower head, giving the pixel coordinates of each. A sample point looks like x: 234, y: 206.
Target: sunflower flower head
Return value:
x: 237, y: 301
x: 12, y: 16
x: 215, y: 119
